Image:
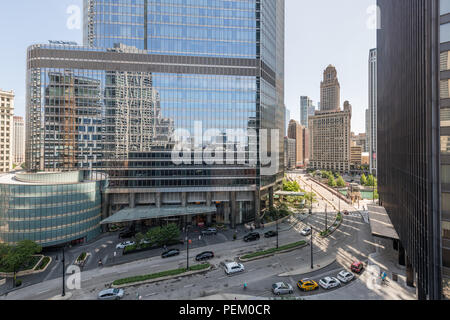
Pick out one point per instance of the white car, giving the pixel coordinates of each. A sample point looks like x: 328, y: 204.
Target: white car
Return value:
x: 345, y: 276
x: 282, y: 288
x: 111, y: 294
x: 234, y: 267
x: 329, y: 283
x: 306, y: 231
x: 125, y: 244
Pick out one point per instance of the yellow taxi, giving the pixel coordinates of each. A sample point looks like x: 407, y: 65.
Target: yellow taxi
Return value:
x: 307, y: 285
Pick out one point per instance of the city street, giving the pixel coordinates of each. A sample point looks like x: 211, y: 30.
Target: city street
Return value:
x: 352, y: 241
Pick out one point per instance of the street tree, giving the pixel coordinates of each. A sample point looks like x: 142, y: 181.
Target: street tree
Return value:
x: 19, y: 255
x: 332, y: 182
x: 363, y: 180
x: 340, y: 182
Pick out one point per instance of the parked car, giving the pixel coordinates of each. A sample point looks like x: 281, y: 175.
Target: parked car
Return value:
x: 170, y: 253
x: 345, y: 276
x: 145, y: 241
x: 209, y: 231
x: 125, y: 244
x: 127, y: 234
x: 307, y: 285
x: 252, y: 237
x: 204, y: 256
x: 306, y: 231
x: 234, y: 267
x: 270, y: 234
x: 282, y: 288
x: 346, y: 212
x: 329, y: 283
x: 357, y: 267
x: 111, y: 294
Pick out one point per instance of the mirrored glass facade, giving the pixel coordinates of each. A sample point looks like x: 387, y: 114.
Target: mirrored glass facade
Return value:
x: 147, y: 70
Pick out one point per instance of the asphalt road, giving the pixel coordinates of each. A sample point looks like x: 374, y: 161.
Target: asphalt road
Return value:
x: 352, y: 241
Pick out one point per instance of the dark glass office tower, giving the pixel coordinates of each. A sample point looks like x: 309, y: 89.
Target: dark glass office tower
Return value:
x: 148, y: 69
x: 409, y: 134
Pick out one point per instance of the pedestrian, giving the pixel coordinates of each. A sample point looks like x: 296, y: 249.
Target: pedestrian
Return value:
x: 200, y: 238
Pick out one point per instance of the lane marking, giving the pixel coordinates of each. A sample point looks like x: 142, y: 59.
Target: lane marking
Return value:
x: 151, y: 294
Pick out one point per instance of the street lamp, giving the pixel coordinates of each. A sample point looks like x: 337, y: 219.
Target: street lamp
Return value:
x: 63, y: 273
x: 277, y: 227
x: 187, y: 248
x: 326, y: 216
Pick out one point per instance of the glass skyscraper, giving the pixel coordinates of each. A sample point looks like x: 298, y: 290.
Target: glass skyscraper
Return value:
x: 147, y: 70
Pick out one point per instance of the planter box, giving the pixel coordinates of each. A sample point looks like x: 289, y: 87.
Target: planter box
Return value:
x: 271, y: 254
x: 27, y: 272
x: 161, y: 279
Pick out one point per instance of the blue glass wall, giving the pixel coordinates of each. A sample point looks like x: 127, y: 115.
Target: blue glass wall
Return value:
x: 220, y: 28
x: 49, y: 214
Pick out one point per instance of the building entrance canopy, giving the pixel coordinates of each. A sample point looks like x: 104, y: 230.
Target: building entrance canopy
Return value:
x: 147, y: 212
x: 289, y: 194
x: 380, y: 223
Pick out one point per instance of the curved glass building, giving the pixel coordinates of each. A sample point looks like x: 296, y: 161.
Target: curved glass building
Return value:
x: 49, y: 208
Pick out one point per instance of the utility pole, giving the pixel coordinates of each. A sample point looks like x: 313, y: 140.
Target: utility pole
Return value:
x: 326, y: 216
x: 312, y: 261
x: 277, y: 228
x: 63, y: 273
x: 187, y: 248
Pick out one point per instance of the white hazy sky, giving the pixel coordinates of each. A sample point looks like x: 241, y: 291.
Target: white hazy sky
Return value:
x: 318, y: 33
x: 323, y: 32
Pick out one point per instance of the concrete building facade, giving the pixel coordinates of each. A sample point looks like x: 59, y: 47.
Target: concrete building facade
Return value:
x: 330, y: 90
x: 330, y: 133
x: 296, y: 132
x: 289, y: 153
x: 360, y: 140
x: 18, y: 149
x: 6, y: 130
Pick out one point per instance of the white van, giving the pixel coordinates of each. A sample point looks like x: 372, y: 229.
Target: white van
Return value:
x: 234, y: 267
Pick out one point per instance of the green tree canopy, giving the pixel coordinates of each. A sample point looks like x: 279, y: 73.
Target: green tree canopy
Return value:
x: 291, y: 186
x: 371, y: 181
x: 340, y: 182
x: 363, y: 180
x: 332, y: 182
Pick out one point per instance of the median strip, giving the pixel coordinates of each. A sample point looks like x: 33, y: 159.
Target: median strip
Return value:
x: 270, y: 252
x: 160, y: 276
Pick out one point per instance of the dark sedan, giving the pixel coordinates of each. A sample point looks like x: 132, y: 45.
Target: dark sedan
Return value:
x: 204, y: 256
x: 270, y: 234
x: 170, y: 253
x: 252, y: 237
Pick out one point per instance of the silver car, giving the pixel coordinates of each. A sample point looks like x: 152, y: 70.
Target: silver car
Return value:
x: 282, y: 288
x: 306, y: 231
x: 111, y: 294
x: 329, y: 283
x: 345, y: 276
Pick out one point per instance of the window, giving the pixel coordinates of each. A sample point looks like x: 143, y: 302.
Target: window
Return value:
x: 445, y: 6
x: 445, y: 61
x: 445, y: 32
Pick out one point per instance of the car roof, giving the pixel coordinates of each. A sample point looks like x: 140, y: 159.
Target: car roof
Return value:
x: 106, y: 291
x: 232, y: 264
